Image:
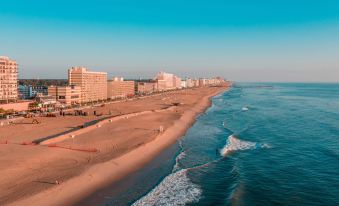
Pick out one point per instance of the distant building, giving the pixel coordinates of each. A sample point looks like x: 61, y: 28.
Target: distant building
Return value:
x: 176, y: 82
x: 46, y: 102
x: 189, y: 83
x: 147, y: 87
x: 39, y: 89
x: 68, y: 95
x: 8, y: 80
x: 29, y: 91
x: 25, y: 91
x: 161, y: 85
x: 167, y: 78
x: 196, y: 83
x: 202, y: 82
x: 93, y: 84
x: 117, y: 87
x: 167, y: 81
x: 183, y: 84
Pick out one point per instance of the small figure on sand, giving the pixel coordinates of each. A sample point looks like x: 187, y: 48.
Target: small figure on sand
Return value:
x: 161, y: 129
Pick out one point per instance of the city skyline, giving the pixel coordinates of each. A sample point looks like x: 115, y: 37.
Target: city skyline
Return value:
x: 244, y: 41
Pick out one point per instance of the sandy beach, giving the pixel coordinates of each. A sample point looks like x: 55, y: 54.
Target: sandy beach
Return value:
x: 71, y: 162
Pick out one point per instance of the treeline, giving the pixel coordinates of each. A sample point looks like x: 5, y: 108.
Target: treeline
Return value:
x: 43, y: 82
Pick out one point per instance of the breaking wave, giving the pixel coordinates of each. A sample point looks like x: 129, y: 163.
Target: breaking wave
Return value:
x: 177, y: 167
x: 244, y: 109
x: 175, y: 189
x: 234, y: 144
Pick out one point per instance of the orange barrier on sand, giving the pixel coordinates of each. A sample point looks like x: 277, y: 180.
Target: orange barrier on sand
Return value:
x: 55, y: 145
x: 74, y: 148
x: 22, y: 143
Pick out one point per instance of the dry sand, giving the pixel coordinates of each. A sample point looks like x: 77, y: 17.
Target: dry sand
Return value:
x: 28, y: 173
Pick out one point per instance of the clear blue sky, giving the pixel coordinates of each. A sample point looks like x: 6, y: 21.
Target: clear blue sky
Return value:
x: 253, y: 40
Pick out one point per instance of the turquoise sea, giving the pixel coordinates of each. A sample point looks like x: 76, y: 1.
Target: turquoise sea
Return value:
x: 259, y: 144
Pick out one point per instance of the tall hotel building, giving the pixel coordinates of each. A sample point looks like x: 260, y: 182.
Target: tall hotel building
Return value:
x: 93, y: 84
x: 8, y: 80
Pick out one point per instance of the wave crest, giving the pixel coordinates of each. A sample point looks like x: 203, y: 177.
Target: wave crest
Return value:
x: 175, y: 189
x: 234, y: 144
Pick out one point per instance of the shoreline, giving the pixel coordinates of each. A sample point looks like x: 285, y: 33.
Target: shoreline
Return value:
x: 103, y: 174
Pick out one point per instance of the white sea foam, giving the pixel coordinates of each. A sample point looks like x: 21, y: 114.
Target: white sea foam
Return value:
x: 175, y: 189
x: 176, y: 167
x: 234, y: 144
x: 244, y: 109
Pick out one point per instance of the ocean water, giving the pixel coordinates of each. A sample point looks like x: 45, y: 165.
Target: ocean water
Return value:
x: 259, y: 144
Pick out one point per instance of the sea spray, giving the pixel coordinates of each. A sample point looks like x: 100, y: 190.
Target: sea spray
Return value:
x: 234, y: 144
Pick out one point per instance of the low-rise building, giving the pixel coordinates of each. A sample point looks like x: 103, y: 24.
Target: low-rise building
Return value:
x: 39, y: 89
x: 29, y: 91
x: 68, y: 95
x: 147, y: 87
x: 183, y: 84
x: 25, y: 91
x: 45, y: 102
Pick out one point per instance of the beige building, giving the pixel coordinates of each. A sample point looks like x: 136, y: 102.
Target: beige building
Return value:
x: 196, y: 82
x: 189, y: 83
x: 147, y: 87
x: 69, y: 95
x: 93, y: 84
x: 167, y: 78
x: 161, y: 85
x: 183, y: 84
x: 168, y: 81
x: 176, y: 82
x: 117, y: 87
x: 8, y: 80
x: 202, y: 82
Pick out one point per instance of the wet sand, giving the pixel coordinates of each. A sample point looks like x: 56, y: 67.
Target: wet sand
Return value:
x: 28, y: 173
